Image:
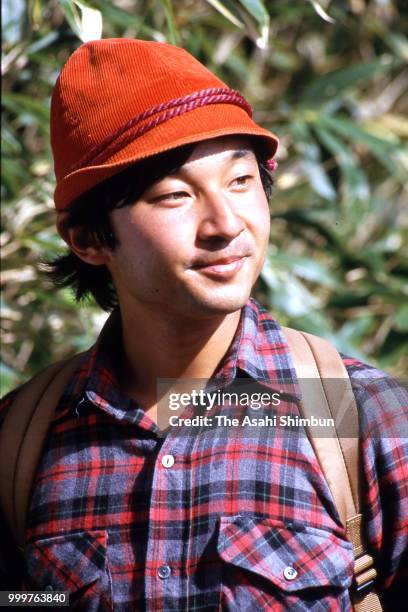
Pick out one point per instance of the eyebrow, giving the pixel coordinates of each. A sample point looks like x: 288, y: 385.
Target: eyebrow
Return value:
x: 241, y: 153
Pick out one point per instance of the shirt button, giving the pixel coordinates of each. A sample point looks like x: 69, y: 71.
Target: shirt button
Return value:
x: 164, y: 572
x: 290, y: 573
x: 168, y: 461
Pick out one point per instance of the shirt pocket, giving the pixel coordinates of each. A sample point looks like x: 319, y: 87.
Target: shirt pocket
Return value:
x: 275, y: 565
x: 75, y: 562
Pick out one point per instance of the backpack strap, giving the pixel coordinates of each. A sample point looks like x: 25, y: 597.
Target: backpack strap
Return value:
x: 22, y: 438
x: 327, y: 393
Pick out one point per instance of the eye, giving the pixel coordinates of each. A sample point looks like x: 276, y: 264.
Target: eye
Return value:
x: 174, y: 196
x: 242, y: 181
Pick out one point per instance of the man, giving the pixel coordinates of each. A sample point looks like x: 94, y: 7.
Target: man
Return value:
x: 162, y: 197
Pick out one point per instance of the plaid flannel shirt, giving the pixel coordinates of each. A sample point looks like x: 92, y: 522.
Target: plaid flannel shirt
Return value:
x: 124, y: 519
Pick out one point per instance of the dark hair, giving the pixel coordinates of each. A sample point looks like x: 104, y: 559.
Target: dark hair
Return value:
x: 91, y: 212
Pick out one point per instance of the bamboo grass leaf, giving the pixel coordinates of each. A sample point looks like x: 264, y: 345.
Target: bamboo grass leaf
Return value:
x: 321, y: 12
x: 91, y: 22
x: 337, y: 82
x: 86, y: 22
x: 390, y: 153
x: 174, y: 37
x: 72, y: 15
x: 319, y: 180
x: 227, y: 9
x: 257, y: 9
x: 355, y: 179
x: 401, y: 318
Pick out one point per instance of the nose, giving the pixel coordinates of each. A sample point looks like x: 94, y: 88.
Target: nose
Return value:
x: 219, y: 220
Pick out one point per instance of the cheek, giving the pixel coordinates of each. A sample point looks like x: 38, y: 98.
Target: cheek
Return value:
x: 155, y: 238
x: 261, y: 219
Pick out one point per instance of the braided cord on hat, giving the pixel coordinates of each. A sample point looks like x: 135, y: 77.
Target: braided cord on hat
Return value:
x: 173, y: 108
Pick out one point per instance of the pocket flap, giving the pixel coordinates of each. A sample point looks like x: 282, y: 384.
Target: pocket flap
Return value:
x: 290, y: 555
x: 73, y: 562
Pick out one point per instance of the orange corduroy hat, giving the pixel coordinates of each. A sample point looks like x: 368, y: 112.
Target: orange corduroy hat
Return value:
x: 118, y: 101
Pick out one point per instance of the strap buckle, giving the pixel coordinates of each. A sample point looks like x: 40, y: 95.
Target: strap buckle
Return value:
x: 364, y: 588
x: 364, y: 573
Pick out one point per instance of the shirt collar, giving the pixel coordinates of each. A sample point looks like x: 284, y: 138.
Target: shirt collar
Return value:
x: 97, y: 382
x: 259, y: 351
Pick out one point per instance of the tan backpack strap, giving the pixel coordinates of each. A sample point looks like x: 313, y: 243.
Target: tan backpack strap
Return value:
x: 22, y: 437
x: 327, y: 393
x: 315, y: 402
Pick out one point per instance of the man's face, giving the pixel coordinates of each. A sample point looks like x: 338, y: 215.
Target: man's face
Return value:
x: 194, y: 243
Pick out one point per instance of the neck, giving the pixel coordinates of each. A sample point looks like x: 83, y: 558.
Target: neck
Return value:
x: 168, y: 347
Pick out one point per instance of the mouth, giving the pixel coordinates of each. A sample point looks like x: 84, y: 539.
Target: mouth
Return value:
x: 222, y: 268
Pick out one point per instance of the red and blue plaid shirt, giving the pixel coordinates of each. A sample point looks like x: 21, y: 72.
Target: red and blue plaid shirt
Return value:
x: 125, y: 519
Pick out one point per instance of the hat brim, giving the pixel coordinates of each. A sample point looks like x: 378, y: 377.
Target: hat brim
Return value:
x: 202, y: 123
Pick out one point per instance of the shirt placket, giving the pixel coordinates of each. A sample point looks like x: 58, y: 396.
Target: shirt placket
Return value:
x: 166, y: 557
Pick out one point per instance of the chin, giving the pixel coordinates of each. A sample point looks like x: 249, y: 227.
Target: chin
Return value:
x: 221, y: 302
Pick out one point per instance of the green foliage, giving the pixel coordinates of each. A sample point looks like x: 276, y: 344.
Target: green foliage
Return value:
x: 328, y: 77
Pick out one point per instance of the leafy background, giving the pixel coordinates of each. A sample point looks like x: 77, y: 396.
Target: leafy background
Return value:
x: 329, y: 77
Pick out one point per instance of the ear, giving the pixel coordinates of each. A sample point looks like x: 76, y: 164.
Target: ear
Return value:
x: 82, y: 243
